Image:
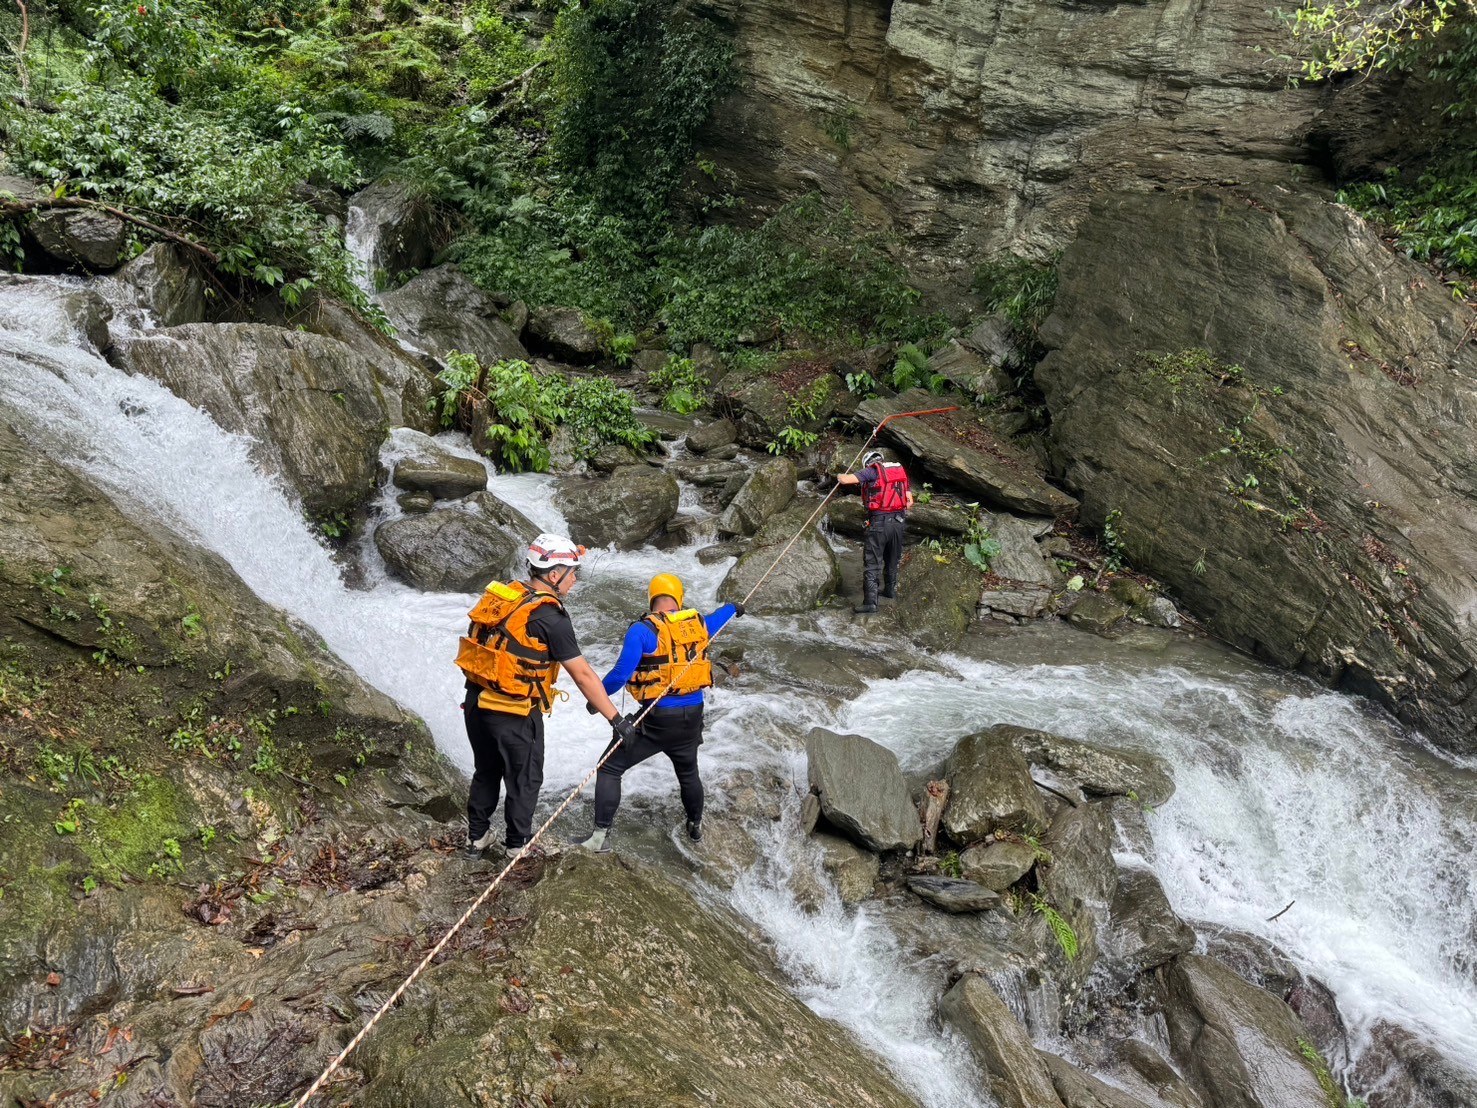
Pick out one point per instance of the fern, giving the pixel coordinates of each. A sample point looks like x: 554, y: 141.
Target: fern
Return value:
x: 1066, y: 938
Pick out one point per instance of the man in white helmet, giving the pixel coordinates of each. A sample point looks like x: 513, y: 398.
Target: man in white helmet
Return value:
x: 520, y: 636
x: 885, y: 492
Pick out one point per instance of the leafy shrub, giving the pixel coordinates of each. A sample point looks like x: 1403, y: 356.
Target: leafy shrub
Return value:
x: 910, y: 371
x: 1021, y: 290
x: 527, y: 409
x: 1435, y: 219
x: 598, y: 413
x: 980, y: 547
x: 681, y: 384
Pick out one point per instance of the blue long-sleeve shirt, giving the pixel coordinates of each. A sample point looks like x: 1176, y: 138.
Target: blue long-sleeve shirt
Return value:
x: 640, y: 640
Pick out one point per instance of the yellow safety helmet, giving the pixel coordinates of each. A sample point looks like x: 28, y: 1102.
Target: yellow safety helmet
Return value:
x: 665, y: 584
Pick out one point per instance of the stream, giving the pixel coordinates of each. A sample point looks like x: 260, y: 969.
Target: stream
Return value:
x: 1286, y: 791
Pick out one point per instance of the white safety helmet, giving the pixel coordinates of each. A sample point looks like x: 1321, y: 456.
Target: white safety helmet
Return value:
x: 550, y: 551
x: 873, y: 458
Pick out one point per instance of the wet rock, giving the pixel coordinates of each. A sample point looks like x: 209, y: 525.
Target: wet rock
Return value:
x: 84, y: 308
x: 565, y: 334
x: 1080, y: 884
x: 805, y: 577
x: 1141, y: 1068
x: 1017, y: 1076
x: 968, y: 370
x: 861, y: 789
x: 718, y: 552
x: 310, y: 403
x: 768, y: 490
x: 1099, y: 770
x: 457, y: 549
x: 953, y: 895
x: 440, y: 310
x: 1161, y: 612
x: 1022, y: 603
x: 1399, y: 1070
x: 89, y: 241
x: 402, y: 227
x: 412, y: 503
x: 436, y: 470
x: 1020, y: 558
x: 1366, y: 437
x: 990, y: 787
x: 1238, y: 1044
x: 998, y: 863
x: 1081, y: 1090
x: 708, y: 474
x: 1145, y: 933
x: 1013, y: 484
x: 936, y: 601
x: 853, y: 870
x: 710, y: 436
x: 612, y: 456
x: 667, y: 426
x: 627, y: 508
x: 846, y: 515
x: 1096, y: 613
x: 166, y: 285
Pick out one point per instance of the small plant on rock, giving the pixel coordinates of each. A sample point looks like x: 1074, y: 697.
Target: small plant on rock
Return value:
x: 681, y: 384
x: 1066, y: 937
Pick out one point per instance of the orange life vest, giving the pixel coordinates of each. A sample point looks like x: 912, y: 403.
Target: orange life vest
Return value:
x: 679, y: 665
x: 498, y: 655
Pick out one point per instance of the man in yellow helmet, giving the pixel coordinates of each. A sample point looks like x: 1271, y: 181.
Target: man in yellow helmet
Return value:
x: 519, y: 637
x: 664, y: 658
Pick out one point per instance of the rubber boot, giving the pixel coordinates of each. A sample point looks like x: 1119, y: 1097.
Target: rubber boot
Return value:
x: 866, y: 608
x: 695, y: 830
x: 597, y: 842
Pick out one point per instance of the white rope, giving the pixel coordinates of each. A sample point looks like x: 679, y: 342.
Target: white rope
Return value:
x: 338, y: 1060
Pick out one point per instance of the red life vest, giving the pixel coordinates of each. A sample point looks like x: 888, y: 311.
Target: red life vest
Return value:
x: 889, y: 493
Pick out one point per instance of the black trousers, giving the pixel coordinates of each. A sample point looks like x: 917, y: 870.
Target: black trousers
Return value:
x: 881, y: 552
x: 506, y: 749
x: 675, y: 732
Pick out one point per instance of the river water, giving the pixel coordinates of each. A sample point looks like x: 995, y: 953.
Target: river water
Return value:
x: 1285, y: 791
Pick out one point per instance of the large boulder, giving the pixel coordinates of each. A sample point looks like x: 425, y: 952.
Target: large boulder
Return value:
x: 990, y: 788
x: 964, y: 453
x: 802, y: 579
x: 762, y: 402
x: 997, y: 863
x: 1099, y: 770
x: 768, y: 490
x: 457, y: 549
x: 426, y: 466
x: 846, y: 515
x: 90, y: 241
x: 1017, y: 1076
x: 439, y: 311
x: 861, y: 789
x: 394, y: 229
x: 167, y: 284
x: 1144, y: 932
x: 565, y: 334
x: 711, y: 436
x: 626, y: 508
x: 1306, y: 450
x: 1079, y: 883
x: 938, y: 595
x: 1401, y: 1070
x: 971, y: 372
x: 1238, y: 1044
x: 1020, y: 558
x: 311, y: 404
x: 1081, y: 1090
x: 853, y: 869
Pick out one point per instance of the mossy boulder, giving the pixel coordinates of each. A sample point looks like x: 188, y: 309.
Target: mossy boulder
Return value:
x: 937, y: 597
x: 990, y: 789
x: 806, y: 576
x: 768, y: 489
x: 627, y: 508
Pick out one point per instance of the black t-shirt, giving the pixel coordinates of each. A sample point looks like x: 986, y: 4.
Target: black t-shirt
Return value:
x: 551, y: 625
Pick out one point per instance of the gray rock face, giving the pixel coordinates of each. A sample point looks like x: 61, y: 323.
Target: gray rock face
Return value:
x: 564, y: 333
x: 1081, y: 1090
x: 968, y: 370
x: 861, y: 789
x: 1237, y: 1043
x: 432, y: 469
x: 1023, y: 603
x: 1020, y: 558
x: 852, y: 869
x: 1145, y: 931
x: 1352, y: 413
x: 806, y: 576
x: 166, y: 285
x: 951, y: 138
x: 936, y: 600
x: 768, y: 490
x: 401, y: 227
x: 1099, y: 770
x: 1097, y: 613
x: 456, y: 550
x: 627, y: 508
x: 1001, y: 477
x: 90, y: 241
x: 710, y: 436
x: 440, y: 311
x: 1080, y: 883
x: 990, y: 786
x: 312, y: 404
x: 1018, y: 1078
x: 953, y: 895
x: 998, y: 864
x: 1403, y: 1071
x: 86, y: 310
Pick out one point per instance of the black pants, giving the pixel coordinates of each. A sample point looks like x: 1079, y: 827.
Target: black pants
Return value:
x: 506, y: 749
x: 881, y: 552
x: 675, y: 732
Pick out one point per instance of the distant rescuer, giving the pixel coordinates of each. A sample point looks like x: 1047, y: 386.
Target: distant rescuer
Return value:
x: 664, y: 655
x: 885, y: 493
x: 520, y: 635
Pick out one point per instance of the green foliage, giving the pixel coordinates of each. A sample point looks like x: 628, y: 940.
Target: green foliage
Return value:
x: 634, y: 80
x: 861, y: 384
x: 1331, y: 1091
x: 598, y: 413
x: 1023, y: 291
x: 1365, y: 35
x: 950, y: 866
x: 1066, y: 937
x: 683, y: 386
x: 980, y: 547
x: 1435, y: 219
x: 911, y: 371
x: 792, y: 440
x: 1113, y: 542
x: 925, y: 495
x: 527, y: 409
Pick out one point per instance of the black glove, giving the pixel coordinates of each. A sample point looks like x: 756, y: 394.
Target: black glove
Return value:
x: 738, y: 610
x: 589, y: 707
x: 624, y: 728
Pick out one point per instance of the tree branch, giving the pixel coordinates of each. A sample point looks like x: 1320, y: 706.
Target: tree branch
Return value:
x: 42, y: 203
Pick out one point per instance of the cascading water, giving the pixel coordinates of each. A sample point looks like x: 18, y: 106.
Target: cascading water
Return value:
x: 1285, y: 792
